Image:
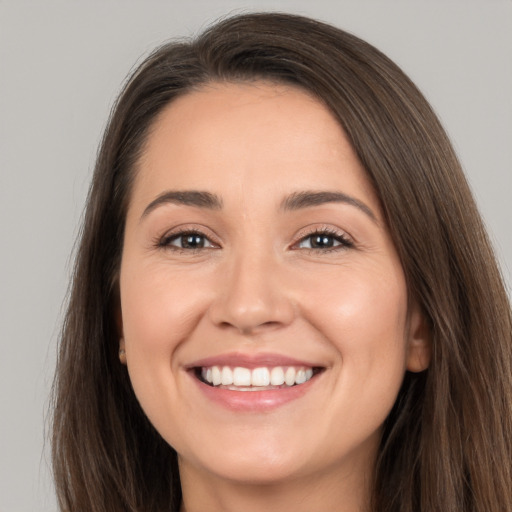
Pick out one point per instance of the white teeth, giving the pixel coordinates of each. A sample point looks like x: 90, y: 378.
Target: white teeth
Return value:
x: 289, y: 376
x: 260, y: 377
x: 241, y: 376
x: 277, y: 376
x: 300, y: 377
x: 245, y: 379
x: 216, y: 376
x: 227, y: 376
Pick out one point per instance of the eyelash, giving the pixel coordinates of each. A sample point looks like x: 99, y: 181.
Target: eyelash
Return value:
x: 165, y: 241
x: 344, y: 241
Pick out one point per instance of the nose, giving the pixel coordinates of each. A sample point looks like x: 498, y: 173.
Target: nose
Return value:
x: 253, y: 295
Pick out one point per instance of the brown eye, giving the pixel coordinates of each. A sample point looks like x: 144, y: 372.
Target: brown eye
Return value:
x: 189, y: 240
x: 322, y: 240
x: 192, y: 241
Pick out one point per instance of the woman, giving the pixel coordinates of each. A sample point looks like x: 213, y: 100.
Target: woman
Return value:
x: 284, y: 297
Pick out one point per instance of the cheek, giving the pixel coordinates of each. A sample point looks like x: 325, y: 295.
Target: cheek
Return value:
x: 365, y: 306
x: 364, y: 318
x: 159, y: 307
x: 363, y: 313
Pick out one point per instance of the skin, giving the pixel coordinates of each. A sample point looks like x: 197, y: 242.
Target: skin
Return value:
x: 257, y: 286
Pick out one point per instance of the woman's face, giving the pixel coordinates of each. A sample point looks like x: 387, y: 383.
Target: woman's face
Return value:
x: 264, y: 310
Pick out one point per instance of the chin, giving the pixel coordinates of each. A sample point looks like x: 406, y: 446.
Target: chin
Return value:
x: 257, y: 472
x: 261, y: 463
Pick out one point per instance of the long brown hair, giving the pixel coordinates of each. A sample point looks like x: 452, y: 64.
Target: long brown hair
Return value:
x: 447, y: 443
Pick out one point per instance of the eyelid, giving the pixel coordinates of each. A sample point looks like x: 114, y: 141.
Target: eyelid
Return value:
x: 162, y: 240
x: 340, y: 234
x: 171, y: 241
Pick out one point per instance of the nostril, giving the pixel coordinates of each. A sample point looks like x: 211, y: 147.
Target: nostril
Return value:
x: 249, y: 329
x: 260, y: 327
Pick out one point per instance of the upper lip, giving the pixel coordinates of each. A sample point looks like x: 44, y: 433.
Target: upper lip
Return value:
x: 244, y: 360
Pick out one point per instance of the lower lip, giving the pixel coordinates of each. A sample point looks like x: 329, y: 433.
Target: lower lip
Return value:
x: 254, y: 401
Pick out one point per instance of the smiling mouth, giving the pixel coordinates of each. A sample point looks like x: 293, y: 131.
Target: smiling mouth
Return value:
x: 255, y: 379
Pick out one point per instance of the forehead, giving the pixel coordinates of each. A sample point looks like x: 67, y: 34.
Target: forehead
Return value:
x: 256, y: 135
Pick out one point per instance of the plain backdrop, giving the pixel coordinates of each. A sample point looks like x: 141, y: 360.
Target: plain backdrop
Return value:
x: 61, y: 65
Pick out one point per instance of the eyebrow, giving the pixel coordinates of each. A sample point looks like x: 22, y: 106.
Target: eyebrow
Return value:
x: 185, y: 198
x: 309, y: 198
x: 293, y: 202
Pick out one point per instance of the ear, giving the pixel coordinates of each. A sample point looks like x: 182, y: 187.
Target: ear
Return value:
x: 419, y: 346
x: 118, y: 317
x: 122, y: 351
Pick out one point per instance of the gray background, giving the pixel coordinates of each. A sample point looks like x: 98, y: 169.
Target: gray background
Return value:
x: 61, y: 65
